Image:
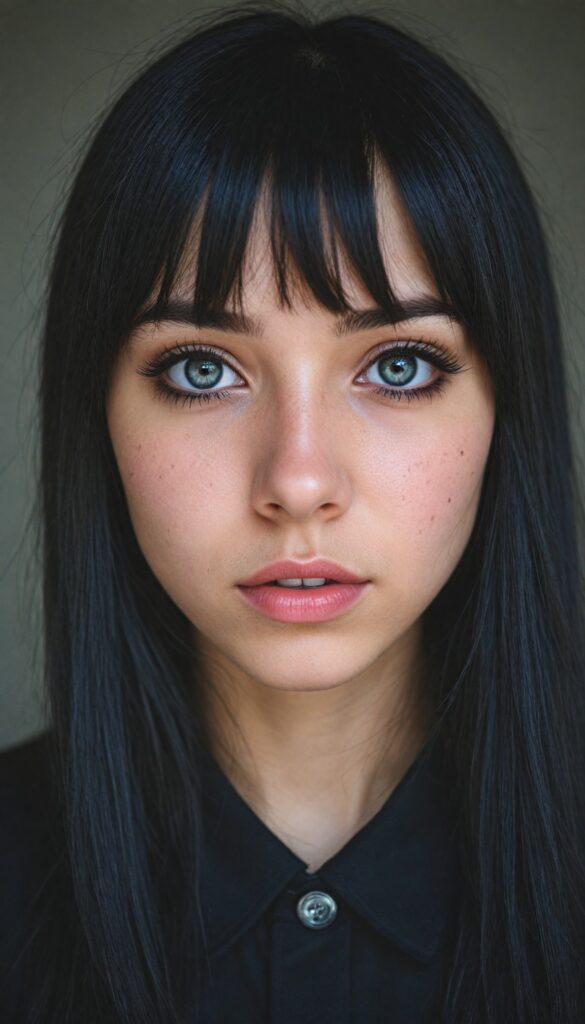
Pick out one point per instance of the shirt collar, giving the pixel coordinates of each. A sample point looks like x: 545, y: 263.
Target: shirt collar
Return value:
x: 397, y: 872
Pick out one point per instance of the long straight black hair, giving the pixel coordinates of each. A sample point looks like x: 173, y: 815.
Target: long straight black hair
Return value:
x: 269, y: 94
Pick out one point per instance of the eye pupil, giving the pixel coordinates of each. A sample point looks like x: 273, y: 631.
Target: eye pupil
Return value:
x: 401, y: 369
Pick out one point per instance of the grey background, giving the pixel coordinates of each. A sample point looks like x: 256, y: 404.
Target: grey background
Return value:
x: 61, y: 61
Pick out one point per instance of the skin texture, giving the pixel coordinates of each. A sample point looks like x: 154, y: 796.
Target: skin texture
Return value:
x: 314, y: 723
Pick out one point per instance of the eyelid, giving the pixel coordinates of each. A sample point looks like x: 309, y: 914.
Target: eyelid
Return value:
x: 429, y: 351
x: 434, y: 351
x: 176, y: 353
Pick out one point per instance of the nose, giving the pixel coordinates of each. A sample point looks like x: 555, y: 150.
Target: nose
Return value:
x: 302, y: 468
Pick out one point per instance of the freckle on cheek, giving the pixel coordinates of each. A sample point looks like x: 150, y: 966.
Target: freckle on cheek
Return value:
x: 462, y: 452
x: 448, y: 500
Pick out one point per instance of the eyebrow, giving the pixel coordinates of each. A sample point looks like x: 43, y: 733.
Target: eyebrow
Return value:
x: 180, y: 311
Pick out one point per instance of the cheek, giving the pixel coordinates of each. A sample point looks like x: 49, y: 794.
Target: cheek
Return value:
x: 440, y: 493
x: 428, y: 496
x: 179, y: 497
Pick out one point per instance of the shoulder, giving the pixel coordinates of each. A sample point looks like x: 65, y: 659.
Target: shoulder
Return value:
x: 25, y: 807
x: 22, y: 762
x: 25, y: 817
x: 24, y: 792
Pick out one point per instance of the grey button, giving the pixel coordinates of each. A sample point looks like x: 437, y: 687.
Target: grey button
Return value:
x: 316, y: 909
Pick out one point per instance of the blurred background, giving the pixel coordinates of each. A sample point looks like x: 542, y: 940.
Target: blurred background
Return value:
x: 62, y: 62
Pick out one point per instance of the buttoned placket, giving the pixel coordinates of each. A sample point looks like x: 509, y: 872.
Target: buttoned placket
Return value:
x: 310, y: 975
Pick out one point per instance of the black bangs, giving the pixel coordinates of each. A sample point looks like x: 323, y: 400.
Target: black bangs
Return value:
x: 294, y: 118
x: 293, y: 148
x: 269, y: 115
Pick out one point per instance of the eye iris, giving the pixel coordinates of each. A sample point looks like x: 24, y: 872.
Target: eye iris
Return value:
x: 401, y: 369
x: 206, y: 373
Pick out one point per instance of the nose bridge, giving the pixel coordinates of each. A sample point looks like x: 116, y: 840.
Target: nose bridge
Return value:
x: 302, y: 411
x: 302, y: 452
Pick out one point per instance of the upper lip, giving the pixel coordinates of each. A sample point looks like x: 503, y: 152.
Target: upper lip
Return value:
x: 320, y: 568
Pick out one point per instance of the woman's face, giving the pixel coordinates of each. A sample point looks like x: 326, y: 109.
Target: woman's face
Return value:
x: 305, y: 459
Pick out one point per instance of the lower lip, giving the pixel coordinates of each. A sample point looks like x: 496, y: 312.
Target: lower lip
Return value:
x: 287, y: 604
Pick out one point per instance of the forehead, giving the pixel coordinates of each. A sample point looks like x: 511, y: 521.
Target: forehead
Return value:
x: 404, y: 261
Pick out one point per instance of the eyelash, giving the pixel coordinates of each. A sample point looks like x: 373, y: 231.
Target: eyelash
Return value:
x: 165, y: 360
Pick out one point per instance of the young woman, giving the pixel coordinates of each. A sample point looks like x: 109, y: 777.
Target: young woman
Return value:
x: 313, y: 608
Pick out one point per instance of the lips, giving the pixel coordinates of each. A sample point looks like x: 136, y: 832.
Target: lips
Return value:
x: 321, y: 568
x: 304, y: 605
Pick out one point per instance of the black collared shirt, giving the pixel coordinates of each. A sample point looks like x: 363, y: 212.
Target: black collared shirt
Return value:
x: 366, y: 939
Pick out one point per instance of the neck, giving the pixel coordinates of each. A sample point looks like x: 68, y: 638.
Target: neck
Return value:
x: 316, y: 766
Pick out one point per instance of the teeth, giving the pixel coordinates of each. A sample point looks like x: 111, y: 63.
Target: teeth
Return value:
x: 315, y: 582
